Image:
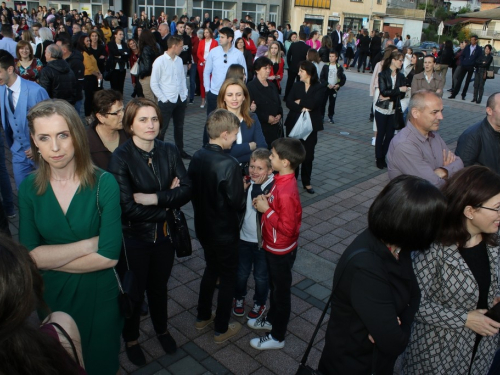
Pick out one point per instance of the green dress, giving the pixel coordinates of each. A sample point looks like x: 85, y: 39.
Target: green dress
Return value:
x: 90, y: 298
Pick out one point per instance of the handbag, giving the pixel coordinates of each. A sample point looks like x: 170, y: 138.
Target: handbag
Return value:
x: 135, y: 69
x: 179, y: 235
x: 303, y: 127
x: 398, y: 114
x: 129, y: 293
x: 307, y: 370
x: 281, y: 129
x: 490, y: 73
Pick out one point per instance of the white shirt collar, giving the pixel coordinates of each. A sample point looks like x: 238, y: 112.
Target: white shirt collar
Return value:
x: 16, y: 86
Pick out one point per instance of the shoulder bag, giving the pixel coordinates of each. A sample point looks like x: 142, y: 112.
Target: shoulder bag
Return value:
x: 179, y: 235
x: 307, y: 370
x: 398, y: 114
x: 129, y: 293
x: 490, y: 73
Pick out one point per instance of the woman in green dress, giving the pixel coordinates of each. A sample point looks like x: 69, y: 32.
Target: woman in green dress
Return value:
x: 65, y: 206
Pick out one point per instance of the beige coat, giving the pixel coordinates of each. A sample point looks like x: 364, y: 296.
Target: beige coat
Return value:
x: 420, y: 83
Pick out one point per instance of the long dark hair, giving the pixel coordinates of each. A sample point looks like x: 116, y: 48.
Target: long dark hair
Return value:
x: 22, y: 345
x: 419, y: 65
x: 310, y: 69
x: 147, y: 39
x: 394, y: 56
x: 472, y: 186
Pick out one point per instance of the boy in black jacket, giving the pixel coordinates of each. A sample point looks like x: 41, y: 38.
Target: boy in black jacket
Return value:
x: 333, y: 77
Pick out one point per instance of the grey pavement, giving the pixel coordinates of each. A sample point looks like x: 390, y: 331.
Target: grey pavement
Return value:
x: 346, y: 181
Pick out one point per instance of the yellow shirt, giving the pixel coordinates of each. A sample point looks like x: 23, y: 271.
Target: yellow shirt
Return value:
x: 90, y: 64
x: 107, y: 33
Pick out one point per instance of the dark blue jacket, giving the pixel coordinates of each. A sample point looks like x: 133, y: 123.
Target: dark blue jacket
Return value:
x: 466, y: 59
x: 242, y: 151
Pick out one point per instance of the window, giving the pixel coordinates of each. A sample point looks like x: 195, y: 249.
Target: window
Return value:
x: 379, y: 1
x: 221, y: 9
x: 256, y: 11
x: 313, y: 3
x: 359, y: 1
x: 273, y: 13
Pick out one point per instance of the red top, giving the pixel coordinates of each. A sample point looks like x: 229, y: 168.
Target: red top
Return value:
x: 195, y: 41
x: 281, y: 222
x: 279, y: 72
x: 250, y: 45
x: 133, y: 60
x: 201, y: 49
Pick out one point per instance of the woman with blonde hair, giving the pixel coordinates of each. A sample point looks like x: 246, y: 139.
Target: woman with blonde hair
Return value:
x: 27, y: 65
x: 47, y: 39
x: 278, y: 67
x: 234, y: 96
x: 69, y: 193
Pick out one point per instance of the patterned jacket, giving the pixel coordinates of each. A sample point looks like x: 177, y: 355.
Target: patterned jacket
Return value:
x: 440, y: 343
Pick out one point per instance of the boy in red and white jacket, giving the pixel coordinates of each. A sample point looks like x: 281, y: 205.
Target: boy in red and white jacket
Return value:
x: 281, y: 219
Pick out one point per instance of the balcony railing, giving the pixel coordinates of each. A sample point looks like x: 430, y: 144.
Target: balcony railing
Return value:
x: 325, y: 4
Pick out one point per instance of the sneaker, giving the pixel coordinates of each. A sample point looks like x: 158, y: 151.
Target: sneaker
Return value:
x: 11, y: 216
x: 260, y: 323
x: 191, y: 101
x: 373, y: 141
x: 239, y: 307
x: 200, y: 324
x: 331, y: 120
x: 232, y: 330
x: 256, y: 312
x: 267, y: 342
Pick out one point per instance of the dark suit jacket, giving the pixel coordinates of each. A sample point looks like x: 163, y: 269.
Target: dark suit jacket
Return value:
x: 336, y: 42
x: 375, y: 44
x: 161, y: 42
x: 466, y: 59
x: 296, y: 54
x: 308, y: 100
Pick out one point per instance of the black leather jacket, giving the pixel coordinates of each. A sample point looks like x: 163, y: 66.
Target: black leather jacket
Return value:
x: 116, y: 55
x: 59, y: 81
x: 218, y: 195
x: 134, y: 175
x: 386, y: 89
x: 146, y: 61
x: 480, y: 145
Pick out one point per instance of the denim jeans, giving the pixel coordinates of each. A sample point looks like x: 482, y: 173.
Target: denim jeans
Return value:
x: 251, y: 254
x: 280, y: 299
x: 192, y: 81
x: 5, y: 186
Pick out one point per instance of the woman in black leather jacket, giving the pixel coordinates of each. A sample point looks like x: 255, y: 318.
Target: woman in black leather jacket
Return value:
x: 119, y: 55
x: 392, y: 85
x: 153, y: 181
x: 482, y: 66
x: 149, y: 51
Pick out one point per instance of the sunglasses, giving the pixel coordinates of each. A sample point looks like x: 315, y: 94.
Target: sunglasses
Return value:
x: 225, y: 58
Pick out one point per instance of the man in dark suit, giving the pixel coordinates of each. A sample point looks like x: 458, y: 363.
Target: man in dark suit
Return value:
x: 375, y: 48
x: 467, y: 63
x: 337, y: 40
x: 162, y: 36
x: 296, y: 53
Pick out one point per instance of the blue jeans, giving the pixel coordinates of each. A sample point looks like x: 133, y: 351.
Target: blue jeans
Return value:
x: 78, y: 107
x: 5, y: 186
x: 250, y: 253
x: 192, y: 81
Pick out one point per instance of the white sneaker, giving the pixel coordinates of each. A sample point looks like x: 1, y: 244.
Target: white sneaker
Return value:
x: 267, y: 342
x: 260, y: 323
x: 373, y: 141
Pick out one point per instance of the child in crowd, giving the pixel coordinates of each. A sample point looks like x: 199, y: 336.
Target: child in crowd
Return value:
x: 250, y: 249
x: 281, y: 219
x: 218, y: 201
x: 332, y: 76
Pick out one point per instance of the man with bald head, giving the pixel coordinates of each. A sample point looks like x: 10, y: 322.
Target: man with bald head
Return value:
x: 162, y: 36
x: 480, y: 143
x: 418, y: 150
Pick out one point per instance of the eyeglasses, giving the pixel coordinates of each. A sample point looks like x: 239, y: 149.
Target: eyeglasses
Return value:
x: 225, y: 58
x: 121, y: 110
x: 497, y: 210
x: 401, y: 60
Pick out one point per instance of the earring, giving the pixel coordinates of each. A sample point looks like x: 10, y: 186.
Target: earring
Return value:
x: 39, y: 153
x: 470, y: 217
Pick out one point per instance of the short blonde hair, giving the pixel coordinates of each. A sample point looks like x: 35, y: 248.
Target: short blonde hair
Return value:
x: 220, y: 121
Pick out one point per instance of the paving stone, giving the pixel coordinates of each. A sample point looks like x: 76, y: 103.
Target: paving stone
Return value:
x: 318, y: 291
x: 236, y: 360
x: 184, y: 296
x: 187, y: 366
x: 162, y: 372
x: 195, y: 351
x: 184, y: 322
x: 304, y: 284
x: 152, y: 368
x: 214, y: 367
x: 299, y: 293
x: 128, y: 366
x: 206, y: 342
x: 322, y: 228
x: 330, y: 255
x: 278, y: 361
x: 263, y: 371
x: 170, y: 359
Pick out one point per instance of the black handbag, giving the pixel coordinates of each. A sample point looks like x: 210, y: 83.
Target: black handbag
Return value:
x: 307, y: 370
x: 129, y: 293
x: 398, y: 116
x: 179, y: 235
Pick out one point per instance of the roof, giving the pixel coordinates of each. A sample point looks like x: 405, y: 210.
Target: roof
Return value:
x: 490, y: 1
x: 492, y: 14
x: 457, y: 21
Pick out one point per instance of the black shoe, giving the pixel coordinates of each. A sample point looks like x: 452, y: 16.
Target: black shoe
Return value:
x: 451, y: 97
x: 310, y: 191
x: 331, y: 120
x: 463, y: 97
x: 191, y: 101
x: 381, y: 164
x: 478, y: 102
x: 185, y: 155
x: 473, y: 101
x: 144, y: 308
x: 168, y: 343
x: 359, y: 71
x: 372, y: 117
x: 135, y: 355
x: 450, y: 90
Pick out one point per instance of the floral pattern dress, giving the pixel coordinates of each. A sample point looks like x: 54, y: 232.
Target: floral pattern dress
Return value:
x: 32, y: 72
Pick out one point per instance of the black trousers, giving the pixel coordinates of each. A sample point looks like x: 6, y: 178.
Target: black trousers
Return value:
x: 211, y: 103
x: 90, y: 86
x: 362, y: 59
x: 117, y: 80
x: 176, y: 112
x: 222, y: 262
x: 4, y: 221
x: 292, y: 77
x: 330, y: 95
x: 152, y: 264
x: 479, y: 81
x: 458, y: 77
x: 307, y: 165
x: 385, y: 133
x: 280, y: 283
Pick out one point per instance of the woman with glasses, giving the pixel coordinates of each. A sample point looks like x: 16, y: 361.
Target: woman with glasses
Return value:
x: 106, y: 133
x: 458, y: 279
x: 392, y: 86
x: 153, y: 181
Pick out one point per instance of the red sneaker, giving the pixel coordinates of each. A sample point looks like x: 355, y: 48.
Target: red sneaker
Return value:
x: 256, y: 311
x: 239, y: 307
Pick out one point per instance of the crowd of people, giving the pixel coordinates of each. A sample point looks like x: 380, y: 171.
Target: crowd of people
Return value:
x: 419, y: 279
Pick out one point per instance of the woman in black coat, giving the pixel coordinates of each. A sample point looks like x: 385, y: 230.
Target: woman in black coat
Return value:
x: 117, y: 63
x: 153, y: 181
x: 376, y: 293
x: 149, y: 51
x: 306, y: 95
x: 392, y: 85
x: 266, y: 97
x: 482, y: 66
x: 446, y: 59
x: 364, y: 49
